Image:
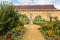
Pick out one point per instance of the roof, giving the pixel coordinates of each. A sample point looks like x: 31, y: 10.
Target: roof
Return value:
x: 35, y: 7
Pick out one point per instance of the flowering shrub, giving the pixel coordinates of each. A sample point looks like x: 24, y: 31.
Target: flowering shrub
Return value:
x: 47, y: 29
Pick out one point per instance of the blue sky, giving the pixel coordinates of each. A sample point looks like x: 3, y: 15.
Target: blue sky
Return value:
x: 56, y: 3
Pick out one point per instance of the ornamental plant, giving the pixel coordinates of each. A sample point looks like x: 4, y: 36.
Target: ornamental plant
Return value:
x: 51, y: 29
x: 24, y: 19
x: 8, y: 18
x: 56, y: 26
x: 38, y: 20
x: 47, y: 28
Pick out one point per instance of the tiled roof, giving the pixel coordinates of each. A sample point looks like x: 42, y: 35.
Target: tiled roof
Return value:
x: 35, y: 7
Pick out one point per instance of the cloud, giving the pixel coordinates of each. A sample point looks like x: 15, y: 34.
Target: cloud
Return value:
x: 38, y: 2
x: 16, y: 4
x: 25, y: 2
x: 43, y: 2
x: 30, y: 2
x: 57, y: 6
x: 6, y: 0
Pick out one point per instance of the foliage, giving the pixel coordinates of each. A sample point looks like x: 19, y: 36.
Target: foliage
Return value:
x: 24, y: 19
x: 51, y: 29
x: 47, y: 28
x: 57, y: 26
x: 38, y: 20
x: 8, y: 18
x: 20, y: 23
x: 17, y: 32
x: 54, y: 38
x: 1, y: 38
x: 19, y: 28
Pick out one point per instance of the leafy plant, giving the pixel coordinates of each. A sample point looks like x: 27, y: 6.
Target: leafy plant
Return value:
x: 51, y: 29
x: 1, y: 38
x: 8, y: 18
x: 20, y: 23
x: 17, y: 33
x: 56, y: 26
x: 38, y: 20
x: 24, y: 19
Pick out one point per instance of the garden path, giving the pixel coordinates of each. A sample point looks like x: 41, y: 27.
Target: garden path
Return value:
x: 32, y: 33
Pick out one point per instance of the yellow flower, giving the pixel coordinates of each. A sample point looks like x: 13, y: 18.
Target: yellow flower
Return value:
x: 49, y: 32
x: 19, y: 28
x: 22, y: 29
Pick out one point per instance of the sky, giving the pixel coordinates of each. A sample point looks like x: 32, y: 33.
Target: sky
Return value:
x: 56, y: 3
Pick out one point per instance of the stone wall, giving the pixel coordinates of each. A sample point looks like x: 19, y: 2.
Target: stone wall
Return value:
x: 44, y: 14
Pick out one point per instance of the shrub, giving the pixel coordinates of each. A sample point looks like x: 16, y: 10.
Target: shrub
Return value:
x: 20, y: 23
x: 24, y: 19
x: 8, y: 18
x: 38, y: 20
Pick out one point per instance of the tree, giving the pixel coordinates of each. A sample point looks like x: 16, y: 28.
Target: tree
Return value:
x: 8, y: 18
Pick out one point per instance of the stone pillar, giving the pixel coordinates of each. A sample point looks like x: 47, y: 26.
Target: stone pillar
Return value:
x: 49, y: 15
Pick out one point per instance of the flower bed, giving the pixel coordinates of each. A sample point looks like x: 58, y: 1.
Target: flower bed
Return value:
x: 51, y: 30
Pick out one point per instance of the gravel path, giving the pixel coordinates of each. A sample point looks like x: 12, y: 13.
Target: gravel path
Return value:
x: 32, y: 33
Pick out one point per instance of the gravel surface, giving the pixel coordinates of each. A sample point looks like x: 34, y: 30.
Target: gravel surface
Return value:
x: 32, y: 33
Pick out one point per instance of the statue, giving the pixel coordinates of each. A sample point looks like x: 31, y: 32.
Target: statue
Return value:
x: 31, y: 21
